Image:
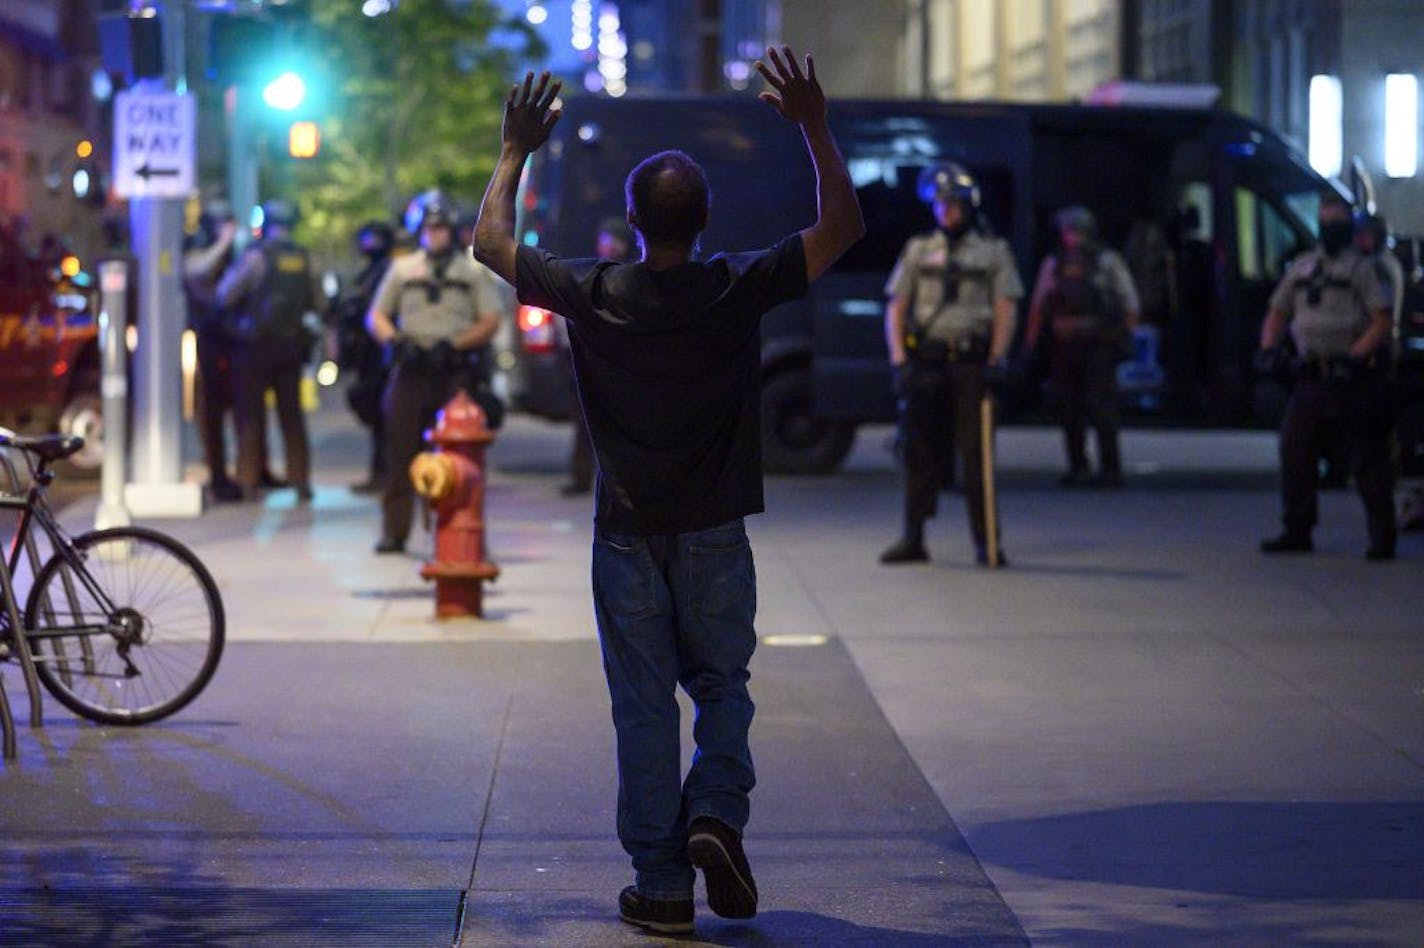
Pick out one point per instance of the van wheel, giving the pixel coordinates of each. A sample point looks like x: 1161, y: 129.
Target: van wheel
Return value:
x: 83, y: 415
x: 793, y: 441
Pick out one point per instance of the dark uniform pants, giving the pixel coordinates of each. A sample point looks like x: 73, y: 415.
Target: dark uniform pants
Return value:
x: 1083, y: 377
x: 939, y: 398
x: 215, y: 398
x: 1317, y: 410
x: 412, y: 399
x: 256, y: 368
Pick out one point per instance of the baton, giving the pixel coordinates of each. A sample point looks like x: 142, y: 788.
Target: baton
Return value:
x: 986, y: 449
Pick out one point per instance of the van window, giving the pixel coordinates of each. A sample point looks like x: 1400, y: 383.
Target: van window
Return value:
x: 1276, y: 204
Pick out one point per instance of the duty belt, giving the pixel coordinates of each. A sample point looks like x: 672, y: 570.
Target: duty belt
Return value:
x: 1335, y: 368
x: 1075, y: 325
x: 963, y: 348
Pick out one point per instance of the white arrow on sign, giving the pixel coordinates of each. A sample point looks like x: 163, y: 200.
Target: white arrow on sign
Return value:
x: 153, y: 144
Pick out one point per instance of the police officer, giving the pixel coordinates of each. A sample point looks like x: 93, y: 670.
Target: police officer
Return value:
x: 1338, y: 313
x: 948, y: 324
x: 1084, y: 291
x: 206, y: 255
x: 358, y: 352
x: 433, y: 310
x: 268, y: 293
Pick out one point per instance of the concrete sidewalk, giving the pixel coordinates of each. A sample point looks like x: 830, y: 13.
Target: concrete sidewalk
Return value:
x: 1141, y: 733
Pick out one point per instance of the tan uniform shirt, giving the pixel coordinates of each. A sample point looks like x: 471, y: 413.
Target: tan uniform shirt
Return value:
x: 468, y: 289
x: 1329, y: 300
x: 986, y: 273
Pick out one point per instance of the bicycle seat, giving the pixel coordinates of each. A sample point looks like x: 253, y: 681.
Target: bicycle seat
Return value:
x: 46, y: 447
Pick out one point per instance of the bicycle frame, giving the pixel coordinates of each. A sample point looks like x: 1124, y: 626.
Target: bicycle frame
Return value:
x: 34, y: 509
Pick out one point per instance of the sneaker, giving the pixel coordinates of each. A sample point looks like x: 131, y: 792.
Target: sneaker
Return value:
x: 270, y: 481
x: 1379, y: 554
x: 1074, y: 478
x: 672, y: 916
x: 905, y: 550
x: 1288, y: 543
x: 716, y: 849
x: 390, y: 545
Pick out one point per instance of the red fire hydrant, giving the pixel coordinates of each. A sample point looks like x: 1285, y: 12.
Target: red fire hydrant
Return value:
x: 452, y: 479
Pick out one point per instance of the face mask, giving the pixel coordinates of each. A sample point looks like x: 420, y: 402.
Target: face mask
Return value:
x: 1335, y: 237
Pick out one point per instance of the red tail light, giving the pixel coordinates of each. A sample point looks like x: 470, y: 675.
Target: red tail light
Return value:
x: 537, y: 330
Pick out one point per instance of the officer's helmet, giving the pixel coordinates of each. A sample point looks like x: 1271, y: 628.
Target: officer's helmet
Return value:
x: 278, y: 213
x: 948, y: 181
x: 214, y: 214
x: 375, y: 238
x: 430, y: 208
x: 1079, y: 220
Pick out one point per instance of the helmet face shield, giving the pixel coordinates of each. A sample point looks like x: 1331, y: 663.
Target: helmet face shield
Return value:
x: 948, y: 181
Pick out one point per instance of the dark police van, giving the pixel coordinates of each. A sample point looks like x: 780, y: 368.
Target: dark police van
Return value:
x: 1207, y: 206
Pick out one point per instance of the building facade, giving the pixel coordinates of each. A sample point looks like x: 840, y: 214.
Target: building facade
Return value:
x: 1265, y: 55
x: 48, y: 56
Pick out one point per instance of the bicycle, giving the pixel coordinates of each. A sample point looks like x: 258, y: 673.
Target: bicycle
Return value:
x: 125, y: 625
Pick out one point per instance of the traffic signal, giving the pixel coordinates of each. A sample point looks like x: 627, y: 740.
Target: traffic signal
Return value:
x: 303, y: 139
x: 266, y: 55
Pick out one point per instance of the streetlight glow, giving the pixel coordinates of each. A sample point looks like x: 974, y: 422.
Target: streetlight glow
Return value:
x: 1401, y: 125
x: 1326, y: 131
x: 286, y: 92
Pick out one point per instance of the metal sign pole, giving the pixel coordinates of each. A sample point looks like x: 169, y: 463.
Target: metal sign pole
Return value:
x: 114, y: 386
x: 153, y: 163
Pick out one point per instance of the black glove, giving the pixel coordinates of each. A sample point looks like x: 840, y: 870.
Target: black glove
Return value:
x: 1272, y: 363
x: 444, y: 357
x: 996, y: 376
x: 900, y: 379
x: 400, y: 349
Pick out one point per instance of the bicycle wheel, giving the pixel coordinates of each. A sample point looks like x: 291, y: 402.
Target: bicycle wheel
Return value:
x: 151, y: 619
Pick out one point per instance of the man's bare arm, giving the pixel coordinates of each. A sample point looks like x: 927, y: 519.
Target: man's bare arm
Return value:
x: 380, y: 325
x: 895, y: 328
x: 1005, y: 317
x: 528, y: 119
x: 1381, y: 327
x: 479, y: 333
x: 798, y: 97
x: 1272, y: 328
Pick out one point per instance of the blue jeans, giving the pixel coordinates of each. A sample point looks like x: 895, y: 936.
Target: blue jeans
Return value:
x: 676, y: 610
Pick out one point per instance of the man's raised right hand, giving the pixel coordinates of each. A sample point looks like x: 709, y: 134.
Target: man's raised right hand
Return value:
x: 529, y: 115
x: 798, y: 95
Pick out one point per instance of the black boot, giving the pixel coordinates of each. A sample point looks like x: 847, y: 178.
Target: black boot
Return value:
x: 907, y: 549
x: 1288, y: 542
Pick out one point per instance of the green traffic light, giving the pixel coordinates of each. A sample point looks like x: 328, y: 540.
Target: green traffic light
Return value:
x: 286, y: 92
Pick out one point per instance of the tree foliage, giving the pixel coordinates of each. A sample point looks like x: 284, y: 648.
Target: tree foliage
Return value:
x: 415, y: 100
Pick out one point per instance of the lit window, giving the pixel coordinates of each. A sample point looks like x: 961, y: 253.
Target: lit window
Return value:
x: 1326, y: 131
x: 1401, y: 125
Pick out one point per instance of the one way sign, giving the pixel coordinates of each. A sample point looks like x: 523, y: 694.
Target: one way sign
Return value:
x: 153, y: 144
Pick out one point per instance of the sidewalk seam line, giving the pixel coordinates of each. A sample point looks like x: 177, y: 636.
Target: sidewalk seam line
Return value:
x: 484, y: 819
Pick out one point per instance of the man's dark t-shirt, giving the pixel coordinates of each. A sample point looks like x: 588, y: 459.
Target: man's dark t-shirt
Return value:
x: 669, y: 374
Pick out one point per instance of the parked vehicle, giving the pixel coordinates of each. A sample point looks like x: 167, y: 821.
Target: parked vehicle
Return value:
x: 1208, y: 207
x: 49, y: 367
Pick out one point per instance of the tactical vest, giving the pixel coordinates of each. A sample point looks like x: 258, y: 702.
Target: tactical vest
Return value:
x: 275, y: 310
x: 1077, y: 299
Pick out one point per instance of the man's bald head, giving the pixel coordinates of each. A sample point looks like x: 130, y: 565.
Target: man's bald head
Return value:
x: 668, y: 199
